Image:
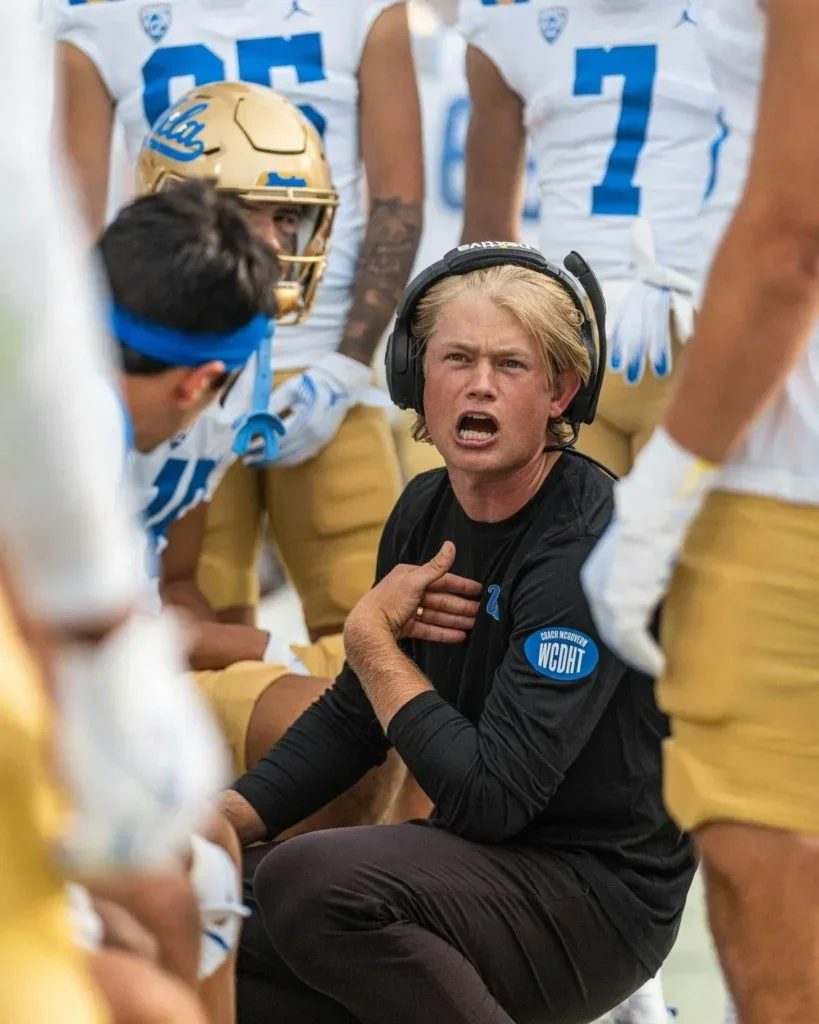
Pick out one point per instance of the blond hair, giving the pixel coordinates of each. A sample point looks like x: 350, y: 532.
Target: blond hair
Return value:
x: 542, y: 307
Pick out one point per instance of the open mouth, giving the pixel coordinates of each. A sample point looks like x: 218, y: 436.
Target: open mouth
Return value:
x: 476, y: 427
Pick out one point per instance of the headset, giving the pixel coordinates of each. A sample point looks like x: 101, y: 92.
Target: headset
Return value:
x: 405, y: 369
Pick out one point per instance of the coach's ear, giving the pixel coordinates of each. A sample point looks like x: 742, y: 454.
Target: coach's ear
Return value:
x: 565, y: 387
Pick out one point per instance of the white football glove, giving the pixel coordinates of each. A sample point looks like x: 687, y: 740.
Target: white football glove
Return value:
x: 629, y: 570
x: 642, y: 311
x: 218, y: 888
x: 314, y: 404
x: 137, y: 750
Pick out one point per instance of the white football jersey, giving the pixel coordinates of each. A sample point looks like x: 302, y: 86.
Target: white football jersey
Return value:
x: 780, y: 456
x: 621, y: 113
x: 182, y: 473
x: 445, y: 110
x: 150, y: 54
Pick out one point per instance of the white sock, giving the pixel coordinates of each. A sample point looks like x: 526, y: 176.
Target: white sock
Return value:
x: 646, y: 1006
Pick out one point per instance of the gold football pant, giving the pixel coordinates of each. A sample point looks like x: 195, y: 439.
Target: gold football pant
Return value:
x: 234, y: 691
x: 42, y: 974
x: 626, y: 416
x: 741, y: 635
x: 325, y: 517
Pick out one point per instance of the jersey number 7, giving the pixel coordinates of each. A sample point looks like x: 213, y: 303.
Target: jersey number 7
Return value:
x: 637, y: 65
x: 255, y: 60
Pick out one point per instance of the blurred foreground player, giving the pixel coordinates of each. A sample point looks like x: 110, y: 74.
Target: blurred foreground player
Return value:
x: 71, y: 550
x: 723, y: 509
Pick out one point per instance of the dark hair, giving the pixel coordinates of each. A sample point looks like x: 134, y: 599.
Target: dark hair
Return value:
x: 186, y: 258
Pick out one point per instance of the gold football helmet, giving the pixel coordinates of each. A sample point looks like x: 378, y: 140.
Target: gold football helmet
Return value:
x: 251, y: 141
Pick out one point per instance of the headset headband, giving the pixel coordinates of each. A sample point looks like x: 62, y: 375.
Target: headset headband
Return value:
x: 405, y: 374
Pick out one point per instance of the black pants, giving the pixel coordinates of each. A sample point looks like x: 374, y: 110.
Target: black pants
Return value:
x: 407, y: 924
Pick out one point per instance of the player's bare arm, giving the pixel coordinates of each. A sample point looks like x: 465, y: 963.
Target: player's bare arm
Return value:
x: 391, y: 149
x: 214, y: 645
x: 85, y: 120
x: 179, y: 561
x: 495, y: 154
x: 763, y: 292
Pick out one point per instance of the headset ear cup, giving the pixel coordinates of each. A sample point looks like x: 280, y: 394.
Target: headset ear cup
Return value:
x: 417, y: 364
x: 399, y: 370
x: 582, y: 407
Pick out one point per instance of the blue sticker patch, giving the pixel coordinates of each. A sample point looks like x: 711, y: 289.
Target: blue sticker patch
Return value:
x: 561, y: 654
x: 492, y: 607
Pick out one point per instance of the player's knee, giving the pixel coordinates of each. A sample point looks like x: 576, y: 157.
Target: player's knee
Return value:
x: 169, y: 908
x: 738, y: 856
x: 218, y: 830
x: 168, y: 1001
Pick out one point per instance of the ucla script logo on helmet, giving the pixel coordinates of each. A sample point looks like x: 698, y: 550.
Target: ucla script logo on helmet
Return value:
x: 561, y: 654
x: 177, y: 134
x: 156, y: 20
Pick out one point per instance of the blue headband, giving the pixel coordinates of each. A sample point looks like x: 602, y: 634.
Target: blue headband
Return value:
x: 178, y: 348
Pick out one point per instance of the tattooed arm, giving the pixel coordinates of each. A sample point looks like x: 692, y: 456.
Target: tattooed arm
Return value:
x: 391, y: 149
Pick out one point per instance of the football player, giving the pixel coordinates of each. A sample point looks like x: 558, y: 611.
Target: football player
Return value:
x: 349, y: 67
x: 255, y: 145
x: 621, y: 115
x: 723, y: 506
x: 71, y: 553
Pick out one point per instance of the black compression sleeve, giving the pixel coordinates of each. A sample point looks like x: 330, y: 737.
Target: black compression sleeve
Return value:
x: 325, y: 752
x: 489, y: 780
x: 329, y: 748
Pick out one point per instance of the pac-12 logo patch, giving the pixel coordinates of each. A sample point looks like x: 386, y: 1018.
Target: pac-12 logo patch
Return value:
x: 561, y: 654
x: 552, y: 22
x: 156, y: 20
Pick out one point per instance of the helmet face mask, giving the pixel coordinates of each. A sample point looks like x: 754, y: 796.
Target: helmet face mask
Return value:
x: 251, y: 141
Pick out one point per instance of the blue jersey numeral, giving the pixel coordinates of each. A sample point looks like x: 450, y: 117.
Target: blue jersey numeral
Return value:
x: 256, y: 58
x: 163, y: 510
x: 167, y: 63
x: 637, y: 65
x: 453, y: 158
x: 303, y: 53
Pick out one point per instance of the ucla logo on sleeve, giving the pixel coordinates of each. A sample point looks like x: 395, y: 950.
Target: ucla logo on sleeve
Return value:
x: 156, y: 20
x: 561, y: 654
x: 552, y: 22
x: 492, y: 606
x: 177, y: 134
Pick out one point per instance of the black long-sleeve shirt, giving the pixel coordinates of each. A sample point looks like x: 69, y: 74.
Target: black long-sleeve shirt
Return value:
x: 535, y: 734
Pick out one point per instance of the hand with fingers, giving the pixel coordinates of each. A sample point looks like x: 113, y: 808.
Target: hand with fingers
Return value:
x: 418, y: 602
